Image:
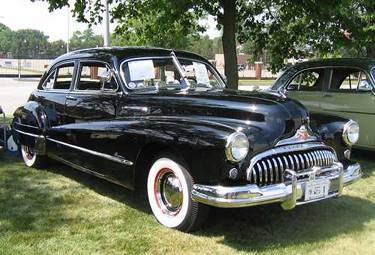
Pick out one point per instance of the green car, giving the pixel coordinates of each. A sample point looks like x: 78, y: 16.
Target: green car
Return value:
x: 340, y: 87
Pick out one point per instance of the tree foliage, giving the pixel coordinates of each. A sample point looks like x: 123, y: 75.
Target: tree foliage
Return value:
x: 28, y: 43
x: 85, y: 39
x: 294, y: 28
x: 164, y: 23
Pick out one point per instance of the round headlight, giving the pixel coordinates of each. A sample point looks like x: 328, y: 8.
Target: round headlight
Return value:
x: 237, y: 146
x: 350, y: 133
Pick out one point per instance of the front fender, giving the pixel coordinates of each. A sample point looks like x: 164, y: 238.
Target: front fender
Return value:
x: 330, y: 128
x: 29, y: 124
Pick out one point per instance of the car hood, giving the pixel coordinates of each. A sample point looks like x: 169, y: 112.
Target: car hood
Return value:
x: 266, y: 113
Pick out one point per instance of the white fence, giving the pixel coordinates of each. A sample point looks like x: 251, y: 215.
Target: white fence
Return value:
x: 23, y: 67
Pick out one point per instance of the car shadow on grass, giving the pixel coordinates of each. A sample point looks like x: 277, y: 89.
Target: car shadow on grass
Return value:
x: 258, y: 229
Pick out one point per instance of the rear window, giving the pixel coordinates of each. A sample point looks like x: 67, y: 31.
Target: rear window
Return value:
x: 349, y: 80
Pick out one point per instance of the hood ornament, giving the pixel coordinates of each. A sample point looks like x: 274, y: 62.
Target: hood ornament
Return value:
x: 302, y: 135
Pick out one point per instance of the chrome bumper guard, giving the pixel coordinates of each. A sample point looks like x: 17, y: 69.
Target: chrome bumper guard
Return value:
x: 289, y: 194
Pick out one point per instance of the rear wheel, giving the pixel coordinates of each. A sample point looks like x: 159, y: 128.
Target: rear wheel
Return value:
x: 31, y: 159
x: 169, y: 186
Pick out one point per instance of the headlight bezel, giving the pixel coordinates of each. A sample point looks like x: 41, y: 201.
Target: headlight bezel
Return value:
x: 346, y: 132
x: 231, y: 141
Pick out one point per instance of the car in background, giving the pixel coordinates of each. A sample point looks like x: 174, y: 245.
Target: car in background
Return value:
x: 165, y: 118
x: 341, y: 87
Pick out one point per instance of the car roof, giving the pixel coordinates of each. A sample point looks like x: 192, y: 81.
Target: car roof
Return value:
x: 365, y: 63
x: 123, y: 53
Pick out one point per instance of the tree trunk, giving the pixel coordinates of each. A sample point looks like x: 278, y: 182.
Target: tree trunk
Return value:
x: 229, y: 42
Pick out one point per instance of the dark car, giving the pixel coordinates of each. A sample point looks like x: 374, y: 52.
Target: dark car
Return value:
x: 165, y: 119
x: 341, y: 87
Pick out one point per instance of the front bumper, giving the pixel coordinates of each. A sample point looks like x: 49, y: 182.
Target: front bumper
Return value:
x: 289, y: 194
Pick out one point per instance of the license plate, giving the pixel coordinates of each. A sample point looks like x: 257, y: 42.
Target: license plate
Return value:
x: 316, y: 189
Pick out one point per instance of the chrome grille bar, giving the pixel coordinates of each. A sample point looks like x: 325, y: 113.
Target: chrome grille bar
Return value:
x: 270, y: 168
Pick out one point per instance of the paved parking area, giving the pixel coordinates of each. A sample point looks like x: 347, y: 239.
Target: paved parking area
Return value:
x: 14, y: 92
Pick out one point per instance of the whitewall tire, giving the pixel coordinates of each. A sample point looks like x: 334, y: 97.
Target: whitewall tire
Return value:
x: 169, y: 187
x: 31, y: 159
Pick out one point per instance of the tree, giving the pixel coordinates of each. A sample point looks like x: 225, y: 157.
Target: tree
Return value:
x: 164, y: 21
x: 6, y: 35
x: 85, y: 39
x: 55, y: 49
x: 29, y: 43
x: 294, y: 28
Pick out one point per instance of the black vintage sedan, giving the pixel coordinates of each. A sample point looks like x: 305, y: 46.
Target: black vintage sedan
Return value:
x: 165, y: 119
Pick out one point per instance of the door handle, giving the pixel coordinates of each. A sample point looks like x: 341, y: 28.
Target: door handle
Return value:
x: 71, y: 98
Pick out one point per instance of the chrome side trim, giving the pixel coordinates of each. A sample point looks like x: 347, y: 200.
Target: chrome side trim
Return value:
x: 135, y: 108
x: 29, y: 134
x: 95, y: 153
x: 83, y: 169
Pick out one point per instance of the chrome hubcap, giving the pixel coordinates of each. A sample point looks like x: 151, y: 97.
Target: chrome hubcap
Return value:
x: 29, y: 153
x: 169, y: 192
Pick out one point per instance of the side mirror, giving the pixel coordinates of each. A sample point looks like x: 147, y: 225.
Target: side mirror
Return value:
x: 106, y: 76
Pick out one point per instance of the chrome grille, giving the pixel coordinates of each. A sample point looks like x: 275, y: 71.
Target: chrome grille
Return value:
x: 270, y: 169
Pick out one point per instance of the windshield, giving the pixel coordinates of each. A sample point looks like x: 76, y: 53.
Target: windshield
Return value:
x: 159, y: 73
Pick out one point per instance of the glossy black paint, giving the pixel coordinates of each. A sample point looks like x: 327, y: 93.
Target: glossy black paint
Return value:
x: 116, y: 134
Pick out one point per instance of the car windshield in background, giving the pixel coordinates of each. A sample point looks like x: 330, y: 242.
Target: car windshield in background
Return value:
x: 159, y: 73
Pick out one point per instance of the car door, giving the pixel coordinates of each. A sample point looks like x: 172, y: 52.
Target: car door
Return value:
x: 90, y: 107
x: 51, y: 95
x: 350, y: 95
x: 307, y: 87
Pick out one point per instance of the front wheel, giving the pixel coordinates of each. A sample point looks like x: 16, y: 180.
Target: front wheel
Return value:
x: 31, y: 159
x: 169, y: 187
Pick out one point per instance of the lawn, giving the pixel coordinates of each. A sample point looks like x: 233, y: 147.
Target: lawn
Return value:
x: 255, y: 82
x: 63, y: 211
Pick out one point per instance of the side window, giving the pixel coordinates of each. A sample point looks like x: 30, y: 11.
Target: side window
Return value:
x: 90, y: 77
x: 60, y: 78
x: 349, y: 80
x: 49, y: 82
x: 309, y: 80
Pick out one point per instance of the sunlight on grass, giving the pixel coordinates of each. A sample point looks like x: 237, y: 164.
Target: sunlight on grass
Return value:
x: 63, y: 211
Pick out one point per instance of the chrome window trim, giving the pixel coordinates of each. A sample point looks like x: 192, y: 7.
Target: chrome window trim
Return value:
x: 117, y: 159
x: 213, y: 70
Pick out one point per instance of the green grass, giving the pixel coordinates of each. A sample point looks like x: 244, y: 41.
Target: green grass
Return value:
x: 255, y: 82
x: 4, y: 69
x: 63, y: 211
